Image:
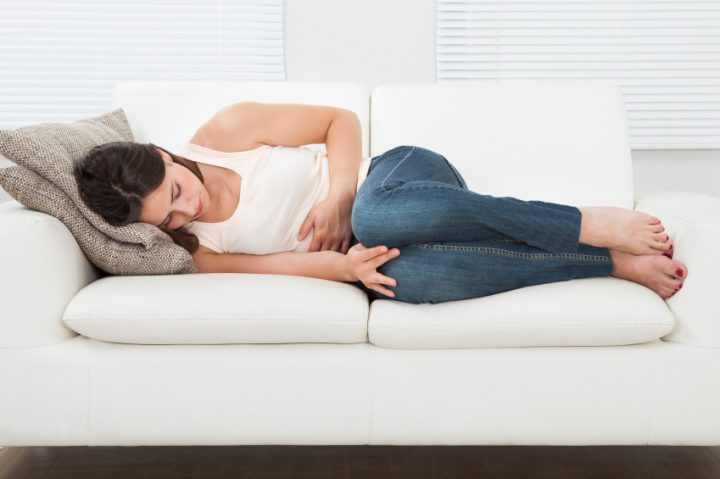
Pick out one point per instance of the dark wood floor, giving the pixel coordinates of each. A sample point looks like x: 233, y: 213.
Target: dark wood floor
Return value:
x: 338, y: 462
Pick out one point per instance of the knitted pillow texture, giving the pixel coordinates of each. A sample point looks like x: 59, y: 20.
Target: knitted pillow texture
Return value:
x: 43, y: 180
x: 111, y: 256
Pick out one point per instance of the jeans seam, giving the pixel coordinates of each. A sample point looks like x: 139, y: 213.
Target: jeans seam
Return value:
x: 382, y: 184
x: 442, y: 186
x: 535, y: 256
x: 456, y: 173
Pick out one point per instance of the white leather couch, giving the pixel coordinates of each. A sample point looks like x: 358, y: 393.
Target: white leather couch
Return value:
x: 230, y: 359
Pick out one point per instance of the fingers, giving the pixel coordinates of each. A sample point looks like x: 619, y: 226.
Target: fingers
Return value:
x: 366, y: 254
x: 384, y: 291
x: 374, y: 257
x: 381, y: 280
x: 377, y: 256
x: 370, y: 253
x: 384, y: 258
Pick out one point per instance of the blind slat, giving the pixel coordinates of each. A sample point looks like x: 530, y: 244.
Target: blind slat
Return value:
x: 59, y: 61
x: 664, y: 55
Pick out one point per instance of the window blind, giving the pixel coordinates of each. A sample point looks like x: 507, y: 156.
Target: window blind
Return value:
x: 59, y: 61
x: 663, y: 54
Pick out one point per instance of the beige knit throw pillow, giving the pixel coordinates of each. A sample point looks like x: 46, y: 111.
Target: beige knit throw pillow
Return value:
x: 111, y: 256
x: 49, y: 150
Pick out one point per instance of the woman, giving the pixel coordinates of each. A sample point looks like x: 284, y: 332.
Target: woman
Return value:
x: 229, y: 192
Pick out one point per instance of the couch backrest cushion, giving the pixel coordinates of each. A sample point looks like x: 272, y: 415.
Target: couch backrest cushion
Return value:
x: 563, y: 141
x: 169, y: 113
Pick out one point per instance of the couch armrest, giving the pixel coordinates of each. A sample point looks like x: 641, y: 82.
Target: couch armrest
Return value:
x: 692, y: 220
x: 42, y: 269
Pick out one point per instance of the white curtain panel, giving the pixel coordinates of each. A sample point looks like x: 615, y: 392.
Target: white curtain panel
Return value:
x: 59, y: 60
x: 664, y: 55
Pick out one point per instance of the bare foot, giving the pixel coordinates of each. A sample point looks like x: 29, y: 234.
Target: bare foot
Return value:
x: 624, y: 230
x: 660, y: 273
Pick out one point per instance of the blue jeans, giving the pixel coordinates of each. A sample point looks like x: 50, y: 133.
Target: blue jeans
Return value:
x: 458, y: 244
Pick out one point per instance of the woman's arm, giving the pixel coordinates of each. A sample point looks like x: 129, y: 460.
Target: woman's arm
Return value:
x: 319, y: 264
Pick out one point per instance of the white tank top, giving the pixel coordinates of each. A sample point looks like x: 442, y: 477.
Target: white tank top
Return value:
x: 279, y: 187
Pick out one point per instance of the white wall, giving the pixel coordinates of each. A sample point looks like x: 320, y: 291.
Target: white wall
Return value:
x: 372, y: 42
x: 378, y: 42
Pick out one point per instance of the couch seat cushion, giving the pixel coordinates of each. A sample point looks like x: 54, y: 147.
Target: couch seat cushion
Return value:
x: 219, y: 308
x: 583, y: 312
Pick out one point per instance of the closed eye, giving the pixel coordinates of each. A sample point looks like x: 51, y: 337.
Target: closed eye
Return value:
x: 179, y: 190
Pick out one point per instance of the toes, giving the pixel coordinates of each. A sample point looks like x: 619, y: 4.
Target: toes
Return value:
x: 652, y: 249
x: 661, y: 245
x: 672, y: 283
x: 654, y: 220
x: 676, y: 270
x: 658, y: 228
x: 666, y: 292
x: 681, y: 272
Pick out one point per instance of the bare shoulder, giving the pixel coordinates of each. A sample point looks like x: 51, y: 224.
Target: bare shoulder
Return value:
x: 216, y: 134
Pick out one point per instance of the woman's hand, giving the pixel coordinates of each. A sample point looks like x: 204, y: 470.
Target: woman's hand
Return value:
x: 330, y: 221
x: 363, y: 262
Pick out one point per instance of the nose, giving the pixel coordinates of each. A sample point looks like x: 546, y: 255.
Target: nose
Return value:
x: 190, y: 208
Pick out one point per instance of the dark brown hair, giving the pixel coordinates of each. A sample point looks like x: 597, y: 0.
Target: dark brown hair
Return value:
x: 114, y: 178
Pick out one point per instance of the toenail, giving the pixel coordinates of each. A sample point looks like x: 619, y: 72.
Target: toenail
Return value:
x: 679, y: 272
x: 679, y: 287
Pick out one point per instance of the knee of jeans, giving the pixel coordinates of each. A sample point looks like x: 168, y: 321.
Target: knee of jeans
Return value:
x: 403, y: 147
x: 364, y: 230
x: 358, y: 224
x: 397, y: 148
x: 460, y: 179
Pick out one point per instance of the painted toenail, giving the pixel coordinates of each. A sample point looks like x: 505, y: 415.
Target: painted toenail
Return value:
x: 679, y: 272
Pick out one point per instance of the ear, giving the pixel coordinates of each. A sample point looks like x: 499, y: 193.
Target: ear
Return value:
x: 163, y: 154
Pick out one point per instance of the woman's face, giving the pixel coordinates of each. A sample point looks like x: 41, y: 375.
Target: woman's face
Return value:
x: 175, y: 202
